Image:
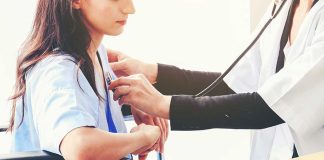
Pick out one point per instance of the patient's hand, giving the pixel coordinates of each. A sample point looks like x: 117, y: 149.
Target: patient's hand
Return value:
x: 141, y: 117
x: 152, y: 134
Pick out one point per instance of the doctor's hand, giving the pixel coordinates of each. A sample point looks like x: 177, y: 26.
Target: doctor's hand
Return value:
x: 141, y: 117
x: 151, y: 136
x: 137, y: 91
x: 124, y: 65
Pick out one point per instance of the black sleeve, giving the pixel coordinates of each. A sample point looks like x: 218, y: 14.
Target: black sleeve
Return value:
x: 172, y: 80
x: 235, y: 111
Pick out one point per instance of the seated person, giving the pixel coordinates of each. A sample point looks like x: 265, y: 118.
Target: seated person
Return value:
x: 61, y: 102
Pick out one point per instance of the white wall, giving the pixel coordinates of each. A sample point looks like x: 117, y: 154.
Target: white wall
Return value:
x: 195, y: 34
x: 257, y: 10
x: 15, y: 23
x: 16, y: 20
x: 199, y: 34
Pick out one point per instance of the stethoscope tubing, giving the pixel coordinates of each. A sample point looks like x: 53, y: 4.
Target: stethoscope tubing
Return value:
x: 221, y: 77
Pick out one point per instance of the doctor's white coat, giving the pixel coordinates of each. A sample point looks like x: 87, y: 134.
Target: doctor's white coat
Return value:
x: 295, y: 93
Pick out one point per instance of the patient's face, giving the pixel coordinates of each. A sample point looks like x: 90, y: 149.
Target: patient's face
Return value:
x: 105, y: 16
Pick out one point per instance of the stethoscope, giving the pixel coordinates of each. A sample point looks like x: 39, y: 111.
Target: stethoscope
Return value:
x: 274, y: 14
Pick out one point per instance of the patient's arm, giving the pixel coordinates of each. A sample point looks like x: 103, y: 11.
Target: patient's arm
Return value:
x: 141, y: 117
x: 92, y: 143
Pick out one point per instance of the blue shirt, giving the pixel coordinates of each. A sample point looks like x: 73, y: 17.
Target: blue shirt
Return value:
x: 58, y: 100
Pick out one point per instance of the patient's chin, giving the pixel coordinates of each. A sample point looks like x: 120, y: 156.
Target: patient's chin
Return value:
x: 115, y: 32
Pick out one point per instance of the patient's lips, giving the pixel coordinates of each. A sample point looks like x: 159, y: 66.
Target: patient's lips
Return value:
x: 123, y: 22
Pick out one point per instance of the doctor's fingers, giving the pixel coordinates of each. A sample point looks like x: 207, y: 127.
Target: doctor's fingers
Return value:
x: 165, y: 125
x: 126, y: 66
x: 166, y: 122
x: 126, y: 99
x: 141, y: 117
x: 130, y: 80
x: 114, y: 56
x: 119, y: 66
x: 130, y: 95
x: 158, y: 122
x: 123, y: 68
x: 164, y: 128
x: 136, y: 115
x: 121, y: 91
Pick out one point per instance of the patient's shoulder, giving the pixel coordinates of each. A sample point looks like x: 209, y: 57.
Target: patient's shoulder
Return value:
x: 54, y: 69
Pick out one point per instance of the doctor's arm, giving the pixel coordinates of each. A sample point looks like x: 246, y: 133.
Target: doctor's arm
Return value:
x: 239, y: 111
x: 235, y: 111
x: 172, y: 80
x: 167, y: 79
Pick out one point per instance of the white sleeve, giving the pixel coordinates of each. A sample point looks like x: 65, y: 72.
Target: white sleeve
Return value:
x: 59, y: 104
x: 296, y: 92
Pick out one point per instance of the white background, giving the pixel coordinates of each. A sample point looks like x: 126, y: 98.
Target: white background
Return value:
x: 194, y: 34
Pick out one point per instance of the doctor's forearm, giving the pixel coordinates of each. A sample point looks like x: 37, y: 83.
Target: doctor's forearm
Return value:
x: 237, y: 111
x: 173, y: 80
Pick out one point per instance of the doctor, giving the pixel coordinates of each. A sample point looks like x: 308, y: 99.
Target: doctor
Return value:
x: 277, y: 87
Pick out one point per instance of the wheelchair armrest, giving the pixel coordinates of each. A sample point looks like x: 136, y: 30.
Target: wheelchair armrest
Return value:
x: 34, y: 155
x: 3, y: 127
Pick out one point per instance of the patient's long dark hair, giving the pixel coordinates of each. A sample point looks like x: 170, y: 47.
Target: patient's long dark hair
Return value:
x: 56, y: 25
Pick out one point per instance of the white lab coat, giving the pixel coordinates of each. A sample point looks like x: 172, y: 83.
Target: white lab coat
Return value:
x: 296, y: 93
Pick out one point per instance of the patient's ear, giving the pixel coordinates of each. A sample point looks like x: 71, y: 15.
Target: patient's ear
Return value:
x: 76, y: 4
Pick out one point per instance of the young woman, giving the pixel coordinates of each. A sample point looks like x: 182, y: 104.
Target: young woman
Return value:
x: 61, y: 102
x: 276, y: 88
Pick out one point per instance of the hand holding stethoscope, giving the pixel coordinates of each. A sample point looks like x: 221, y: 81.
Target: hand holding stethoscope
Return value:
x: 134, y: 87
x: 137, y: 91
x: 123, y: 66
